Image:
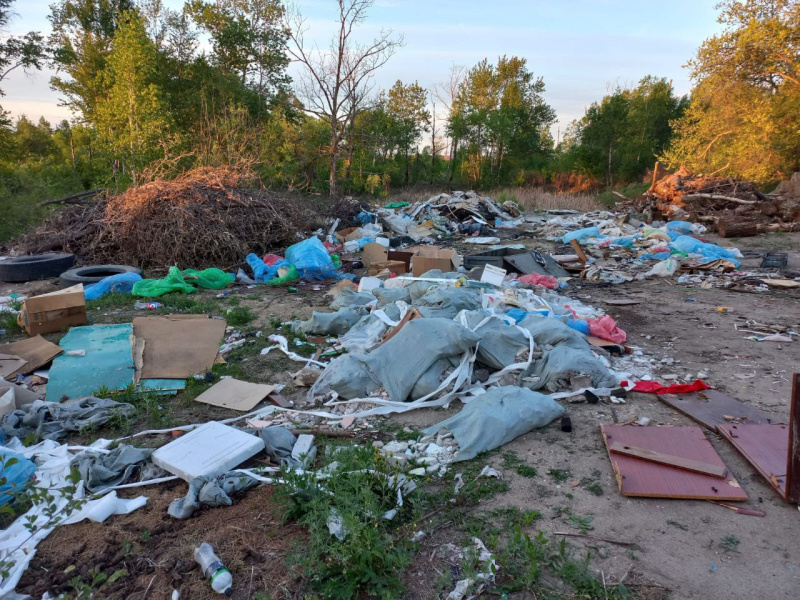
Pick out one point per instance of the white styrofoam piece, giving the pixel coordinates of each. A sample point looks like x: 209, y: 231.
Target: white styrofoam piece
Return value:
x: 493, y: 275
x: 367, y: 284
x: 208, y: 451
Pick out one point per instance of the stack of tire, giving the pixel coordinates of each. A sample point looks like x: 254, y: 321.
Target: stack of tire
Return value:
x: 35, y: 267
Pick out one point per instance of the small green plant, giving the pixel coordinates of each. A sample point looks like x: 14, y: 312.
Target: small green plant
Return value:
x: 97, y: 582
x: 514, y: 462
x: 559, y: 475
x: 730, y: 543
x: 582, y: 524
x: 145, y: 535
x: 591, y: 484
x: 239, y: 316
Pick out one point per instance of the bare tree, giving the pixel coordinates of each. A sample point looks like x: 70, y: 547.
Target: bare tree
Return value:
x: 335, y: 82
x: 446, y: 93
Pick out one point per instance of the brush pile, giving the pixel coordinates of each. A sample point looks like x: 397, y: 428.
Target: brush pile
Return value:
x: 204, y: 218
x: 733, y: 207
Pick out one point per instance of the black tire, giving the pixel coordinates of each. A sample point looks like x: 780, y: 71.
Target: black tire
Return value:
x: 93, y: 274
x: 35, y: 266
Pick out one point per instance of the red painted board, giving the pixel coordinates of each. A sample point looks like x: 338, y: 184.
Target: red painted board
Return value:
x: 640, y: 478
x: 765, y: 446
x: 710, y: 408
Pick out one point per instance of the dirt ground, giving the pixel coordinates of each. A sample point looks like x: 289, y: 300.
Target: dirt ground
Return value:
x: 686, y: 549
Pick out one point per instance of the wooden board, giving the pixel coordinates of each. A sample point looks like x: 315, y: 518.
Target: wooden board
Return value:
x: 765, y: 446
x: 10, y: 364
x: 710, y: 407
x: 234, y: 394
x: 668, y: 459
x: 639, y: 478
x: 178, y: 346
x: 36, y: 350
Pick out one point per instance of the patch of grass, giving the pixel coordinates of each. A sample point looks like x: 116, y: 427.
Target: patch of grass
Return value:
x: 370, y: 557
x: 513, y: 516
x: 189, y: 303
x: 8, y: 322
x: 397, y: 431
x: 113, y: 301
x: 591, y: 485
x: 515, y: 463
x: 730, y: 543
x: 239, y: 316
x: 559, y: 475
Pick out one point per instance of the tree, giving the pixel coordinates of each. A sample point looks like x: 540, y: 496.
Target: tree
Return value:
x: 744, y: 116
x: 406, y: 106
x: 83, y: 31
x: 134, y: 118
x: 334, y: 83
x: 26, y: 52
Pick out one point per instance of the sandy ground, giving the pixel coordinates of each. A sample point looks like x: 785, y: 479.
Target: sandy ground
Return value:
x: 678, y: 544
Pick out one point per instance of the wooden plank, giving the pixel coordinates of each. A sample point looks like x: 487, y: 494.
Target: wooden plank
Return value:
x: 710, y: 408
x: 667, y: 459
x: 578, y: 250
x: 793, y: 460
x: 639, y: 478
x: 765, y: 446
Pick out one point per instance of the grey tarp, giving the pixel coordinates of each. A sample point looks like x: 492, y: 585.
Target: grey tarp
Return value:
x: 364, y: 335
x: 390, y: 295
x: 431, y: 379
x: 348, y: 376
x: 216, y: 491
x: 495, y: 418
x: 52, y: 420
x: 101, y: 471
x: 279, y: 443
x: 335, y: 323
x: 418, y: 289
x: 447, y: 302
x: 348, y: 298
x: 402, y: 360
x: 500, y: 342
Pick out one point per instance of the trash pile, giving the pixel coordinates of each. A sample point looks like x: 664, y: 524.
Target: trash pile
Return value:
x: 204, y: 218
x: 731, y: 207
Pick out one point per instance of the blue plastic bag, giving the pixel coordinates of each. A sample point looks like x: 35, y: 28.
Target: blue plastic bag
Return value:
x: 364, y: 217
x: 682, y: 227
x: 263, y: 272
x: 581, y: 234
x: 691, y: 245
x: 656, y: 256
x: 311, y: 260
x: 625, y: 242
x: 122, y: 283
x: 579, y: 325
x: 13, y: 476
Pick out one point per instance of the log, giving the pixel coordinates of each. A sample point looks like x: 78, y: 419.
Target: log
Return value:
x: 729, y: 228
x: 74, y: 199
x: 622, y: 196
x: 717, y: 197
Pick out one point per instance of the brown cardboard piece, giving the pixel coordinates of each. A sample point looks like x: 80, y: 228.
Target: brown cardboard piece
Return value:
x: 36, y: 351
x: 373, y: 253
x: 427, y: 258
x: 346, y: 235
x: 178, y: 346
x: 11, y: 363
x: 53, y: 312
x: 22, y: 395
x: 236, y: 395
x: 398, y: 267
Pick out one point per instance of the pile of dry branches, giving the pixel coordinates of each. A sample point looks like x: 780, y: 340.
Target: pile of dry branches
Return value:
x: 204, y: 218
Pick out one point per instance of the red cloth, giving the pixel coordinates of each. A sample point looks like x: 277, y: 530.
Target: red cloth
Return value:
x: 653, y: 387
x: 606, y: 329
x: 271, y: 259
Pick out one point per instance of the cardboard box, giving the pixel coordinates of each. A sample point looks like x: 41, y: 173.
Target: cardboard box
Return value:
x: 398, y: 267
x: 53, y: 312
x: 376, y: 253
x: 427, y: 258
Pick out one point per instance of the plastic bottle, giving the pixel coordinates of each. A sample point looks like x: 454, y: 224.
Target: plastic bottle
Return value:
x: 148, y: 305
x: 213, y: 569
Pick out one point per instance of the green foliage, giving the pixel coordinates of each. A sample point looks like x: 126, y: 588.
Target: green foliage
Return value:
x: 239, y: 315
x: 559, y: 475
x: 512, y: 461
x: 357, y: 493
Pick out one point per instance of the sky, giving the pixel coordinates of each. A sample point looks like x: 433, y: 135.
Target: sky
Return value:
x: 581, y: 48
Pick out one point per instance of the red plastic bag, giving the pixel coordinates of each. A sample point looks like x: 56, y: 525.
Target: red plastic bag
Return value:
x: 547, y: 281
x: 606, y: 329
x: 271, y: 259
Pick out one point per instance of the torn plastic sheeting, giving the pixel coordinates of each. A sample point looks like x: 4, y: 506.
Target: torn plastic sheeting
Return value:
x: 311, y: 260
x: 606, y: 329
x: 581, y: 235
x: 692, y: 245
x: 101, y: 471
x: 495, y: 418
x: 548, y: 331
x: 500, y: 342
x: 419, y: 287
x: 216, y: 491
x: 402, y: 360
x: 282, y: 344
x: 348, y: 376
x: 536, y: 279
x: 335, y: 323
x: 348, y: 298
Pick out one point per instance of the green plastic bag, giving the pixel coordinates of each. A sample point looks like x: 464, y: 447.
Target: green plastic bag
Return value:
x: 173, y: 282
x: 291, y: 275
x: 210, y: 279
x: 397, y: 205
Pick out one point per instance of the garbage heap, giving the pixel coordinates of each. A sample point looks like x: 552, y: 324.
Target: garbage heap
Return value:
x: 733, y: 208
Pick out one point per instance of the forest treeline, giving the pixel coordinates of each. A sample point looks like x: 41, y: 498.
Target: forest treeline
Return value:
x: 155, y: 91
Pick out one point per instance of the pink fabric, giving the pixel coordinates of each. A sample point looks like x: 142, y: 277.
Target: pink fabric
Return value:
x: 652, y: 387
x: 536, y: 279
x: 606, y: 329
x: 271, y: 259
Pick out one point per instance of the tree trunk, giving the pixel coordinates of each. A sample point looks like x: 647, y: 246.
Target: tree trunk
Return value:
x: 453, y: 154
x: 334, y: 153
x: 733, y: 227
